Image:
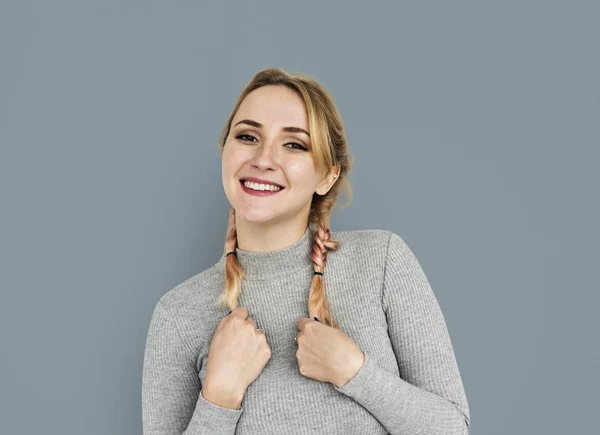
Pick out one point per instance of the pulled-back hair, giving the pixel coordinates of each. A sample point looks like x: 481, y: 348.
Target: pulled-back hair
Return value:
x: 329, y: 148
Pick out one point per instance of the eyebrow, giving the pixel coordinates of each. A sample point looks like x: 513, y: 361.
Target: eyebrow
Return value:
x: 259, y: 125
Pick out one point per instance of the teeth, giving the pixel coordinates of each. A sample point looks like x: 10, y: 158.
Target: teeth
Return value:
x: 257, y: 186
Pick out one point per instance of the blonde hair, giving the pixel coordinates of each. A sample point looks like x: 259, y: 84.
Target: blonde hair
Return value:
x: 329, y: 148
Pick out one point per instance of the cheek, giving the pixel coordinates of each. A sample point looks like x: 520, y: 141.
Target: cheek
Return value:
x: 297, y: 170
x: 229, y: 161
x: 302, y: 178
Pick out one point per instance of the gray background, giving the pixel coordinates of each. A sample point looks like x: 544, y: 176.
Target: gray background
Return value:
x: 475, y: 129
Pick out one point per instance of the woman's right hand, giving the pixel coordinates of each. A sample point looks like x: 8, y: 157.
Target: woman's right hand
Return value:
x: 237, y: 354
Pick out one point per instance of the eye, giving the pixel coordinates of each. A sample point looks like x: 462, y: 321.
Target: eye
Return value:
x: 241, y: 136
x: 249, y: 137
x: 298, y: 146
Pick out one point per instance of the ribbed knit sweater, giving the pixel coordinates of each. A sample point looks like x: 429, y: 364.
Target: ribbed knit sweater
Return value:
x: 409, y: 383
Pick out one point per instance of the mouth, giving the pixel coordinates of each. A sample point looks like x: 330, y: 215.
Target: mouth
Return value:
x: 243, y: 180
x: 260, y: 192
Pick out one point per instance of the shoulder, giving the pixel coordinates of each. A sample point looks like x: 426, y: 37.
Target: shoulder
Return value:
x: 377, y: 244
x: 191, y: 307
x: 195, y: 291
x: 360, y: 235
x: 370, y: 239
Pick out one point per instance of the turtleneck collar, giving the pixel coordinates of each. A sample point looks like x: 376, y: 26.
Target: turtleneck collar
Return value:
x: 259, y: 266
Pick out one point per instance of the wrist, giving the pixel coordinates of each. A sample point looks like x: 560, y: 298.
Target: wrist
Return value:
x: 355, y: 364
x: 224, y: 397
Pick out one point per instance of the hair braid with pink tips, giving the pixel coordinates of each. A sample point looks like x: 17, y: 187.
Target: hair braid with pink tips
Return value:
x: 329, y: 148
x: 317, y: 302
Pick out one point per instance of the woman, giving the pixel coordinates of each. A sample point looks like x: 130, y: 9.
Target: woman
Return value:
x: 254, y: 344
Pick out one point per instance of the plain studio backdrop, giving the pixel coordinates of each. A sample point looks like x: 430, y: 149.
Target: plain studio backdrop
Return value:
x: 475, y: 132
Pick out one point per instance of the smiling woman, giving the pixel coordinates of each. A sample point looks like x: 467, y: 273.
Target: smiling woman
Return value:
x: 268, y: 143
x: 371, y: 355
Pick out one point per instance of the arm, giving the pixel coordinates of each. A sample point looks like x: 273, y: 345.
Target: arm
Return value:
x: 429, y: 397
x: 172, y: 400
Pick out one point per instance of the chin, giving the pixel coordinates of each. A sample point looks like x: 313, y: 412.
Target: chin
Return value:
x: 256, y: 217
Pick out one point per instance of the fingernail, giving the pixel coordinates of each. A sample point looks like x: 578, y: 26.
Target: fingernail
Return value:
x: 316, y: 319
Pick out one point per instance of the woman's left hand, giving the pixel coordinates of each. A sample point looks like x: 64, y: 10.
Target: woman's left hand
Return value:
x: 327, y: 354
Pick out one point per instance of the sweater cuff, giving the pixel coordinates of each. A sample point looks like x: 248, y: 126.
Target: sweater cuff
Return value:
x: 361, y: 378
x: 218, y: 419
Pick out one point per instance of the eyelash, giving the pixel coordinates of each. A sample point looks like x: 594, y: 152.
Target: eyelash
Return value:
x: 302, y: 147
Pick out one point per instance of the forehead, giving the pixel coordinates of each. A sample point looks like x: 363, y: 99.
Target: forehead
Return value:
x: 274, y: 105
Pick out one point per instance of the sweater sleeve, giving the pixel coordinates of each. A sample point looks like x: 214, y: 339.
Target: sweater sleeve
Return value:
x: 428, y: 398
x: 172, y: 401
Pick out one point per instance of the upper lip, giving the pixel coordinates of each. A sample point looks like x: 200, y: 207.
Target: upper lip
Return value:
x: 259, y: 180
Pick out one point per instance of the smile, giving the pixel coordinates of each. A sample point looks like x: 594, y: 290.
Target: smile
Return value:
x: 259, y: 189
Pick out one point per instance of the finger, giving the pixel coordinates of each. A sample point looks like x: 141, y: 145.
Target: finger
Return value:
x: 302, y: 322
x: 221, y: 323
x: 236, y: 312
x: 241, y: 312
x: 251, y: 321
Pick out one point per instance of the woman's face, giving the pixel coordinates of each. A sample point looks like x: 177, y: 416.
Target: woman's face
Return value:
x: 268, y: 152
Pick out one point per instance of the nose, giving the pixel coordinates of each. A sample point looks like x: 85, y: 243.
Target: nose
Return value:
x: 265, y: 156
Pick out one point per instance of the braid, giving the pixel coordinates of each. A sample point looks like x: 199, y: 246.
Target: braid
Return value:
x: 234, y: 274
x: 317, y: 302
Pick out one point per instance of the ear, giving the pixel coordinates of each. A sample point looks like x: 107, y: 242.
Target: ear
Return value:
x: 330, y: 178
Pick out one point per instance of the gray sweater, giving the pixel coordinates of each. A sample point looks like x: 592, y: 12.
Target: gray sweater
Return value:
x: 409, y: 383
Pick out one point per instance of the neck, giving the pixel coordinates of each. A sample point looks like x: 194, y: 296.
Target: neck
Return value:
x: 269, y: 237
x: 276, y: 263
